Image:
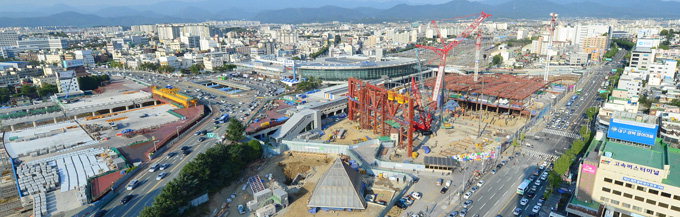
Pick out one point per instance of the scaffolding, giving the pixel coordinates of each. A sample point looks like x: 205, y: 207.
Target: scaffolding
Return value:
x: 382, y: 111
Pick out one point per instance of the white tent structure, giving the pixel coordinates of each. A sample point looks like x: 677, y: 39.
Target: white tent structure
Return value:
x: 339, y: 188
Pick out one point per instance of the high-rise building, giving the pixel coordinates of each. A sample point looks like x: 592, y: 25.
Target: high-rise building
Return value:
x: 149, y: 29
x: 43, y: 44
x: 86, y: 56
x: 595, y: 46
x: 67, y: 82
x: 202, y: 31
x: 630, y: 172
x: 168, y: 32
x: 191, y: 41
x: 8, y: 38
x: 642, y: 57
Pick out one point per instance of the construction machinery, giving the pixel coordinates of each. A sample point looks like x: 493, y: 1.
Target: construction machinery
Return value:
x: 551, y: 31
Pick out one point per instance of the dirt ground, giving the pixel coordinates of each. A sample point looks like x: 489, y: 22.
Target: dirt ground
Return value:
x: 352, y: 136
x: 283, y: 168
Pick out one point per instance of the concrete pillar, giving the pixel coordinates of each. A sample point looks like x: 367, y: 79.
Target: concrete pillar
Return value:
x: 110, y: 110
x: 94, y: 113
x: 75, y: 117
x: 55, y: 119
x: 155, y: 102
x: 127, y: 107
x: 34, y: 124
x: 11, y: 127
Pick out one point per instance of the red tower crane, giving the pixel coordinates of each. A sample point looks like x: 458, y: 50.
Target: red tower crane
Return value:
x: 443, y: 52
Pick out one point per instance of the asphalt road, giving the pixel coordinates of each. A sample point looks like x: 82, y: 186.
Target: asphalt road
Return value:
x: 149, y: 187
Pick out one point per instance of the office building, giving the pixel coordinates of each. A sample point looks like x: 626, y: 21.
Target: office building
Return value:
x: 168, y: 32
x: 191, y: 41
x: 642, y: 57
x: 43, y: 44
x: 67, y: 82
x: 630, y: 172
x: 202, y: 31
x: 148, y: 29
x: 86, y: 56
x: 595, y: 47
x: 8, y: 38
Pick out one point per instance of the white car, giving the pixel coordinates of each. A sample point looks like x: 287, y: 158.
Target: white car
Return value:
x: 416, y: 195
x: 152, y: 168
x: 161, y: 175
x: 524, y: 201
x: 448, y: 183
x: 132, y: 185
x: 517, y: 211
x: 536, y: 209
x: 537, y: 183
x: 467, y: 195
x: 480, y: 183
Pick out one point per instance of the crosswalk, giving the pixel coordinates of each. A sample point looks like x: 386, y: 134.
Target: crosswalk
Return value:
x: 561, y: 133
x: 544, y: 156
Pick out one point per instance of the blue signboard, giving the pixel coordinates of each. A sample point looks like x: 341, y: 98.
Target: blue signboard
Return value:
x: 632, y: 131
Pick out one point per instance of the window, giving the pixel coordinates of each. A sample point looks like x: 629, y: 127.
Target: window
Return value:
x: 627, y: 195
x: 666, y: 194
x: 663, y: 205
x: 652, y: 191
x: 675, y: 208
x: 676, y: 197
x: 639, y: 199
x: 618, y: 183
x: 615, y: 202
x: 650, y: 212
x: 628, y: 185
x: 637, y: 208
x: 640, y: 188
x: 616, y: 192
x: 660, y: 214
x: 608, y: 180
x: 606, y: 189
x: 604, y: 199
x: 653, y: 202
x: 625, y: 205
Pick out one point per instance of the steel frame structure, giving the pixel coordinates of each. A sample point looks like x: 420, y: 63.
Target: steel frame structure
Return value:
x: 369, y: 105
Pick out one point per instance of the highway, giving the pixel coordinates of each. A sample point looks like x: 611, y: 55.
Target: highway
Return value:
x: 149, y: 187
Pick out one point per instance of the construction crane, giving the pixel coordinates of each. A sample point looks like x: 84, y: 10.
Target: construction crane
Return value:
x: 443, y: 52
x: 551, y: 30
x: 478, y: 48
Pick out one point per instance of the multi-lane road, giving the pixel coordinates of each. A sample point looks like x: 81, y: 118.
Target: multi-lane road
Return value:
x: 149, y: 187
x: 498, y: 195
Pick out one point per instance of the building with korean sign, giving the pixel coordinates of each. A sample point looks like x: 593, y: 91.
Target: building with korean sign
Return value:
x: 626, y: 174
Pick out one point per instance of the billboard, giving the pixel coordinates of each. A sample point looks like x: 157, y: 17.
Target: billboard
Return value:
x: 632, y: 131
x: 587, y: 168
x: 72, y: 63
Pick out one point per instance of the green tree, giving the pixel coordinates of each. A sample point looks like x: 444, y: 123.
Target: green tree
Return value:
x: 625, y: 44
x: 166, y: 69
x: 235, y: 130
x: 116, y: 64
x: 497, y: 60
x: 92, y: 82
x: 196, y: 68
x: 28, y: 91
x: 149, y: 66
x: 5, y: 95
x: 47, y: 90
x: 225, y: 67
x: 310, y: 83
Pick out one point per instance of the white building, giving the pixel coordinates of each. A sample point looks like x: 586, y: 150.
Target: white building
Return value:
x: 43, y: 44
x: 171, y: 61
x: 86, y: 56
x: 8, y: 38
x: 632, y: 84
x: 587, y: 31
x: 195, y: 30
x: 642, y: 57
x: 168, y: 32
x: 67, y: 82
x: 192, y: 41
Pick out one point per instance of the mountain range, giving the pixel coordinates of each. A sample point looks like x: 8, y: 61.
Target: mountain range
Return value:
x: 303, y: 11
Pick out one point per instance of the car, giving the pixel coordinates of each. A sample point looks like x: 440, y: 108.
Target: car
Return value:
x: 163, y: 166
x: 444, y: 189
x: 524, y: 201
x: 536, y: 209
x: 184, y: 148
x: 463, y: 212
x: 474, y: 188
x: 171, y: 154
x: 467, y: 195
x: 126, y: 199
x: 132, y: 185
x: 153, y: 168
x: 517, y: 211
x: 416, y: 179
x: 161, y: 175
x: 544, y: 177
x: 401, y: 205
x: 531, y: 194
x: 537, y: 183
x: 453, y: 214
x: 480, y: 183
x: 493, y: 171
x: 186, y: 152
x: 241, y: 209
x: 540, y: 201
x: 499, y: 166
x: 370, y: 197
x: 416, y: 195
x: 448, y: 183
x: 201, y: 139
x: 100, y: 213
x: 541, y: 167
x: 467, y: 203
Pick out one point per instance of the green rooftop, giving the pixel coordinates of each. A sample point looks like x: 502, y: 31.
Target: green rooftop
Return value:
x: 652, y: 157
x: 593, y: 205
x: 673, y: 160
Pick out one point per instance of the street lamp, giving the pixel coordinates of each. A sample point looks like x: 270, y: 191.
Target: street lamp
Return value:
x: 154, y: 145
x: 177, y: 130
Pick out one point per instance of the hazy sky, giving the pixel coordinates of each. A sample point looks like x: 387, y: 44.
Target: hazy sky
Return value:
x: 143, y: 2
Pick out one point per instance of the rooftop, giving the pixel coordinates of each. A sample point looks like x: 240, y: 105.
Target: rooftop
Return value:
x: 634, y: 117
x: 351, y: 62
x: 673, y: 160
x: 501, y: 85
x: 653, y: 156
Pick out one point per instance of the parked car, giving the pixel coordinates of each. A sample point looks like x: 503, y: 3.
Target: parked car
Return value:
x: 524, y: 201
x: 444, y: 190
x: 241, y: 209
x: 467, y: 203
x: 467, y: 195
x: 416, y: 195
x: 480, y: 183
x: 517, y: 211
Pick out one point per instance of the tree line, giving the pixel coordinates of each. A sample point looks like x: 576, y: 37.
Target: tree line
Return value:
x: 92, y: 82
x: 208, y: 172
x: 30, y: 91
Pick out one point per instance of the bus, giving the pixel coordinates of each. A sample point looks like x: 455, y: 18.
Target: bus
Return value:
x: 523, y: 186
